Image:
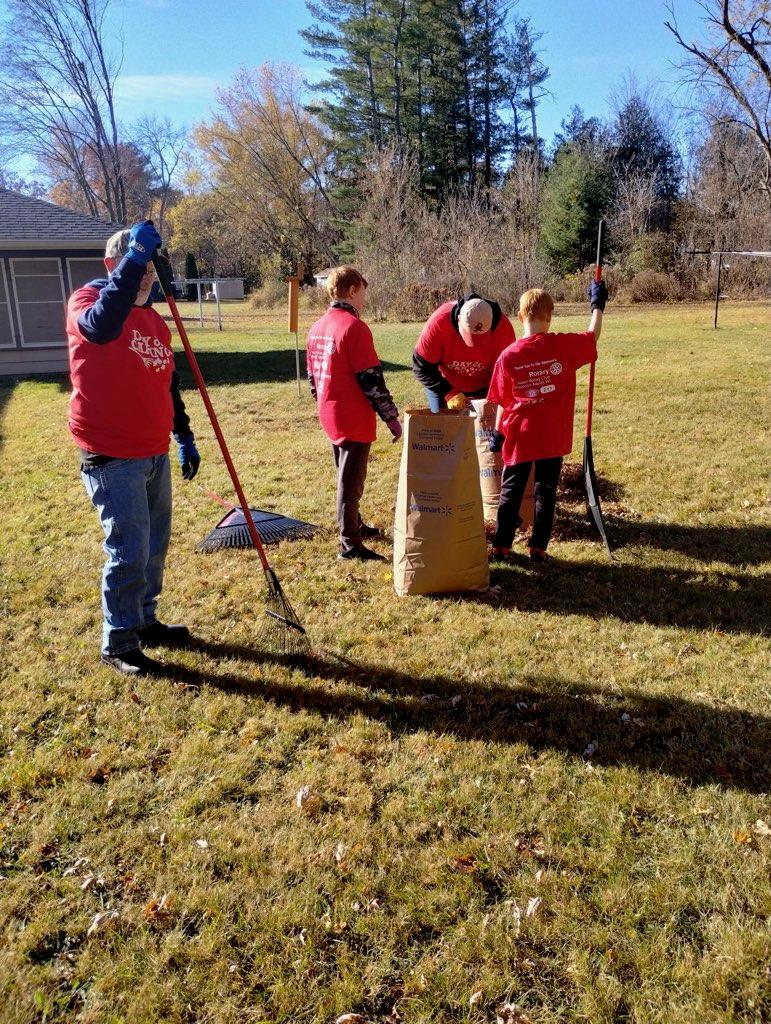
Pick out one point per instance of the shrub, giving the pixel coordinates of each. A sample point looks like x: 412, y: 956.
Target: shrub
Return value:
x: 313, y: 299
x: 417, y: 301
x: 651, y: 252
x: 270, y: 294
x: 652, y: 286
x: 575, y: 287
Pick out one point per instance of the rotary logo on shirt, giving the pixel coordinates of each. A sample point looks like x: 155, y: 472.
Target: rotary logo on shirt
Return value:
x: 153, y: 353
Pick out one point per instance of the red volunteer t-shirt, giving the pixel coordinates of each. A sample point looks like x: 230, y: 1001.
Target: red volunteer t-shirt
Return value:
x: 339, y: 346
x: 535, y: 382
x: 466, y: 369
x: 121, y: 400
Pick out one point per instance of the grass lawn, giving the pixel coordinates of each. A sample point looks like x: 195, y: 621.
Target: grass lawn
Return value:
x: 556, y: 797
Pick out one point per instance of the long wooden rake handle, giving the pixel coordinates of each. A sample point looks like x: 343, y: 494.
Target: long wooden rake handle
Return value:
x: 598, y: 278
x: 167, y: 287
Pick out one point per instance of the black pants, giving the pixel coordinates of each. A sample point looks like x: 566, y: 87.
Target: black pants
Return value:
x: 351, y: 459
x: 513, y: 484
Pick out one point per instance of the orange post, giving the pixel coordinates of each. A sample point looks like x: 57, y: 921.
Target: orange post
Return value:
x: 294, y: 304
x: 293, y: 319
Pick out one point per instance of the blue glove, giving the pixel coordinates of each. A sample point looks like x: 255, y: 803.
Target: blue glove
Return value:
x: 496, y: 441
x: 598, y: 294
x: 189, y: 459
x: 143, y: 241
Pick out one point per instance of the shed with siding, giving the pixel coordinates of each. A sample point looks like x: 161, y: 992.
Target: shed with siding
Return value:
x: 46, y: 252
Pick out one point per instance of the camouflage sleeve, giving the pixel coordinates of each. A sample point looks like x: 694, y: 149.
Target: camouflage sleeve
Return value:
x: 372, y: 383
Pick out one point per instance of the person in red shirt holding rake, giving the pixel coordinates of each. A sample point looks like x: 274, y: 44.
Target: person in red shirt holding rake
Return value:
x: 346, y: 380
x: 125, y: 402
x: 534, y: 387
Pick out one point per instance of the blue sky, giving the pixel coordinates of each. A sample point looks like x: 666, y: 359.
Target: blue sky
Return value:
x: 178, y: 52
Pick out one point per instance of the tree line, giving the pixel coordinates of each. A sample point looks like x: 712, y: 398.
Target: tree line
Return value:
x: 418, y: 153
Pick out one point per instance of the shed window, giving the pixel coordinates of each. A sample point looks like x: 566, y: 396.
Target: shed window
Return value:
x: 39, y: 292
x: 83, y: 269
x: 6, y: 327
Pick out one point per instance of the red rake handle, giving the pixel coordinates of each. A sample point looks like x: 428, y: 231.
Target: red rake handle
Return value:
x: 165, y: 280
x: 598, y: 278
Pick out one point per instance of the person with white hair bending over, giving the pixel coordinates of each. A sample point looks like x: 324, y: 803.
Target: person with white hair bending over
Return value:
x: 125, y: 401
x: 458, y: 348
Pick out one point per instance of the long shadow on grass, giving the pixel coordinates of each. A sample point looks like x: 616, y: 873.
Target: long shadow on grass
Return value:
x: 258, y: 367
x: 657, y: 595
x: 699, y: 743
x: 732, y: 545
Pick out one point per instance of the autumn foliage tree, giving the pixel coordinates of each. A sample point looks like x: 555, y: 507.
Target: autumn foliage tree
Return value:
x: 268, y: 161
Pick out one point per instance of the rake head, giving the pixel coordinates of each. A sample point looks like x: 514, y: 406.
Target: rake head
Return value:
x: 282, y: 631
x: 232, y: 532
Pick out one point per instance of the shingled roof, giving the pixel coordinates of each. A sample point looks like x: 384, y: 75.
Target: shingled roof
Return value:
x: 28, y: 223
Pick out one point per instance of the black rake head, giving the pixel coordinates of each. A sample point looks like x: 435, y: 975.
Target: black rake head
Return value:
x: 232, y: 532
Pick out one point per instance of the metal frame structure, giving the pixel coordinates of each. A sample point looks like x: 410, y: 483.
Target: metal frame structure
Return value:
x: 720, y: 253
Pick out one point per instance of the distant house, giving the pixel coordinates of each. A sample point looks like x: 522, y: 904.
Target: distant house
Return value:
x: 46, y: 251
x: 320, y: 278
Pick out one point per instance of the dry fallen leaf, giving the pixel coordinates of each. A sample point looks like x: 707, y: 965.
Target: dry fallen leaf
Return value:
x: 202, y: 844
x: 475, y: 996
x: 351, y: 1018
x: 467, y: 864
x: 534, y: 906
x: 510, y: 1013
x: 310, y: 803
x: 159, y: 911
x: 740, y: 836
x: 761, y: 828
x: 102, y: 921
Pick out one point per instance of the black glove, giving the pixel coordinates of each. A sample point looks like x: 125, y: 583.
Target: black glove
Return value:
x: 495, y: 443
x: 189, y: 459
x: 143, y: 241
x: 598, y: 294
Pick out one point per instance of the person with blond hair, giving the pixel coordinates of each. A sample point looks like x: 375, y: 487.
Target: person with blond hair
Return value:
x: 346, y: 381
x: 534, y: 386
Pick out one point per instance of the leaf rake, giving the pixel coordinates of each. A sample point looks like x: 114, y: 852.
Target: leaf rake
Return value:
x: 282, y: 630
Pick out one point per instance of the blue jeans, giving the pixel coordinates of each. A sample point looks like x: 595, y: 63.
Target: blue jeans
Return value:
x: 133, y: 499
x: 435, y: 403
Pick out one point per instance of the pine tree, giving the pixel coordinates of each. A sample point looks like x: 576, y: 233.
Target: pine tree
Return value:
x: 191, y: 271
x: 527, y: 74
x: 576, y: 194
x: 421, y: 75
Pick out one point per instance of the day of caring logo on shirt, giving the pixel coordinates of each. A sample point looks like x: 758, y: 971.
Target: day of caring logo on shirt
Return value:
x: 468, y: 366
x: 153, y: 353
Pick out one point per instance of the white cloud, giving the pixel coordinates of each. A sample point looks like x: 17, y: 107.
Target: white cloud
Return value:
x: 146, y: 88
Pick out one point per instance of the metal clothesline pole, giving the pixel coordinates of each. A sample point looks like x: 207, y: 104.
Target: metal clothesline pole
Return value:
x: 720, y: 253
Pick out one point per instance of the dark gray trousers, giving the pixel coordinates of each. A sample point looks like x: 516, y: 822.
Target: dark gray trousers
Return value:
x: 351, y: 459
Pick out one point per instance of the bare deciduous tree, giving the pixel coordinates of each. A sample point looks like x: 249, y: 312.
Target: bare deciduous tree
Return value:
x: 163, y: 144
x: 57, y: 98
x: 732, y: 66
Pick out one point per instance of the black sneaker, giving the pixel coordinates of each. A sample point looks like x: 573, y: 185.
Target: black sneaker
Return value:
x: 361, y: 554
x: 370, y: 531
x: 157, y: 634
x: 134, y: 663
